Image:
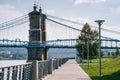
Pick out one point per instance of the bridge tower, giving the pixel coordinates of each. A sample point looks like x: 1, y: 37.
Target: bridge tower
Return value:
x: 44, y: 33
x: 37, y: 34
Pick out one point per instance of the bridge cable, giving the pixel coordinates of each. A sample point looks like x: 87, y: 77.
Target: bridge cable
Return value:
x: 116, y: 32
x: 14, y: 22
x: 72, y: 27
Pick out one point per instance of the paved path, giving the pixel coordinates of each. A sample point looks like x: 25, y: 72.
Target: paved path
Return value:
x: 69, y: 71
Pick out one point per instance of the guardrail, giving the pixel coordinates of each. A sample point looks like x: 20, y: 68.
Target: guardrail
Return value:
x: 16, y: 72
x: 35, y: 70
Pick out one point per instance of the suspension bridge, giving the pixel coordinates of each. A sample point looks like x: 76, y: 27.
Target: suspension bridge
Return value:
x: 38, y: 33
x: 14, y: 33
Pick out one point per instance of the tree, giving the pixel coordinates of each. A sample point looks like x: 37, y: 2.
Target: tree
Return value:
x: 108, y: 53
x: 117, y: 52
x: 87, y: 37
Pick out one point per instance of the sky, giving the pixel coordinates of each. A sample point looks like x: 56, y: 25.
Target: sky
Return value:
x: 78, y: 10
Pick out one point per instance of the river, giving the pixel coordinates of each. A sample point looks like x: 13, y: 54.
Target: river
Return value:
x: 52, y: 53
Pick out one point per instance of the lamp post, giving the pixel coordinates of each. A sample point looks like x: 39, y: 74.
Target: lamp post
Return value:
x: 100, y: 22
x: 88, y: 54
x: 82, y: 52
x: 81, y: 43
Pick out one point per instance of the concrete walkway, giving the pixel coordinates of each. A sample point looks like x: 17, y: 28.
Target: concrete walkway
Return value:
x: 69, y: 71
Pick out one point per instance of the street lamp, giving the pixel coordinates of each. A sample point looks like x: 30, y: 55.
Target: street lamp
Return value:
x: 81, y: 42
x: 100, y: 22
x: 88, y: 54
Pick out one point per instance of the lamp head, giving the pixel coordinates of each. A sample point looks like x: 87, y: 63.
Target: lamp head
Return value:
x: 100, y: 22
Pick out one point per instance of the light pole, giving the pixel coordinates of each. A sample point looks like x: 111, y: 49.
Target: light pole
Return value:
x: 88, y: 51
x: 82, y: 52
x: 100, y: 22
x: 88, y: 48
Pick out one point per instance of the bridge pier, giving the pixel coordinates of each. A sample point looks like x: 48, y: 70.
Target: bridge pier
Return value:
x: 37, y: 35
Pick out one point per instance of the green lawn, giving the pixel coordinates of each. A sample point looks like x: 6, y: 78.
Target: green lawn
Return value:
x: 110, y: 69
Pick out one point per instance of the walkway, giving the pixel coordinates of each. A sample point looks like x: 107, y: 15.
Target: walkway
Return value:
x: 69, y: 71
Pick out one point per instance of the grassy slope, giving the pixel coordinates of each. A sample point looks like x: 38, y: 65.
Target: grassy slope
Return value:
x: 110, y: 69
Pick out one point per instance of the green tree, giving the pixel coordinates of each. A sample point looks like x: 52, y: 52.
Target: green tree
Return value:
x: 117, y: 52
x: 87, y: 37
x: 108, y: 53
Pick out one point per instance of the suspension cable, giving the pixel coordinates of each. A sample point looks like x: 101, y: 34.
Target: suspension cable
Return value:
x: 116, y: 32
x: 14, y: 22
x: 63, y: 24
x: 72, y: 27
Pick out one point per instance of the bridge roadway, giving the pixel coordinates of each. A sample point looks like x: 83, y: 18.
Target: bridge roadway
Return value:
x: 69, y: 71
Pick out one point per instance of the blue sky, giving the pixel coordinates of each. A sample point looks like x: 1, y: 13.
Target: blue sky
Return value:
x: 77, y: 10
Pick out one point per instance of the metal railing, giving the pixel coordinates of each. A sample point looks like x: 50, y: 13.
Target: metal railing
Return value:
x: 17, y: 72
x: 35, y: 70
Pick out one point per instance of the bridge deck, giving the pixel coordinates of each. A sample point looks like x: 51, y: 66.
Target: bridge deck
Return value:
x: 69, y: 71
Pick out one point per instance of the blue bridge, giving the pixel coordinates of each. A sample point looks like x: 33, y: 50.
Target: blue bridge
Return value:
x: 59, y: 43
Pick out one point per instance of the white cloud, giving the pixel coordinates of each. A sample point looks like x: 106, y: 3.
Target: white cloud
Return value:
x: 8, y: 12
x: 115, y: 10
x: 80, y: 19
x: 50, y: 11
x: 88, y: 1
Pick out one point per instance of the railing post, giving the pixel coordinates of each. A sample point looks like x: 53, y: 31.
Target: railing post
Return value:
x: 60, y: 61
x: 63, y: 61
x: 0, y: 75
x: 8, y: 75
x: 14, y: 73
x: 50, y: 66
x: 20, y: 72
x: 57, y: 63
x: 35, y: 70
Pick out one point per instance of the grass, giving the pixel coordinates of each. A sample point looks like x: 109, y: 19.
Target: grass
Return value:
x: 110, y: 69
x: 1, y: 58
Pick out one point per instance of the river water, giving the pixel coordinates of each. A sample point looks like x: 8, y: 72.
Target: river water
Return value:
x: 52, y: 53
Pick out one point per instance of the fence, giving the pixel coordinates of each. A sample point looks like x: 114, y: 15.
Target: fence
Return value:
x: 35, y: 70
